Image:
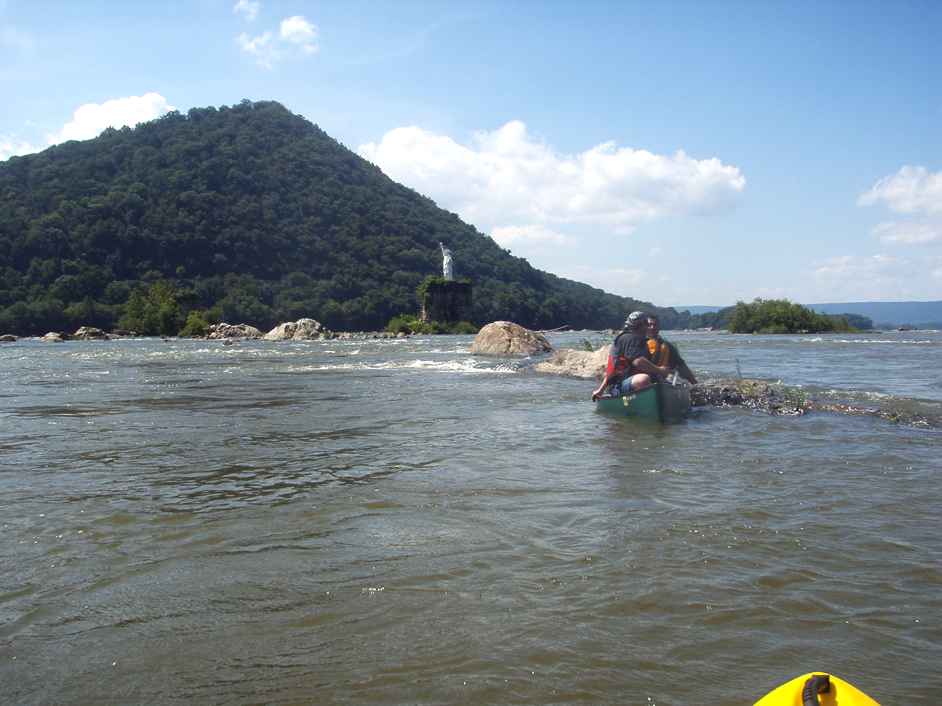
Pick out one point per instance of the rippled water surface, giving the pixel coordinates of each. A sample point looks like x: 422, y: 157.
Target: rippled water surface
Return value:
x: 396, y: 522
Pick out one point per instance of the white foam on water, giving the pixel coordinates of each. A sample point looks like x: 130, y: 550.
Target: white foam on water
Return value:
x: 467, y: 366
x: 884, y: 341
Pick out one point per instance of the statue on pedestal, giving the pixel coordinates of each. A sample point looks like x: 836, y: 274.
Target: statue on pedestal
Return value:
x: 447, y: 271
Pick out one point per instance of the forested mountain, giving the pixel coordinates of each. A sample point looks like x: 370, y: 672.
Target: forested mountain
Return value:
x: 248, y: 214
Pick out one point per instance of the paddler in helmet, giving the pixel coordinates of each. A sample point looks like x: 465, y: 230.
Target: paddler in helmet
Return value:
x: 664, y: 353
x: 629, y: 366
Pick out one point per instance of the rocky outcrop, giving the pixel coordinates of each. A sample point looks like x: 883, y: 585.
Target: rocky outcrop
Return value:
x: 778, y: 399
x: 223, y: 330
x: 773, y: 398
x: 509, y: 339
x: 300, y: 330
x: 577, y: 364
x: 7, y: 338
x: 90, y: 333
x: 54, y: 337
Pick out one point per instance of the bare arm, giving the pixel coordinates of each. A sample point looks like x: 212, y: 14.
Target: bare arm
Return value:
x: 646, y: 366
x: 685, y: 373
x: 606, y: 381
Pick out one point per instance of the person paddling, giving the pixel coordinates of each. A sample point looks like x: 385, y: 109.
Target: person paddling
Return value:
x: 629, y: 366
x: 664, y: 353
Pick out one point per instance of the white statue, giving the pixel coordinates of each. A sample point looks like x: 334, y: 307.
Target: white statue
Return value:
x: 447, y: 272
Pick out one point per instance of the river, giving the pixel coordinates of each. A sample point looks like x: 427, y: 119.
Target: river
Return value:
x: 398, y: 522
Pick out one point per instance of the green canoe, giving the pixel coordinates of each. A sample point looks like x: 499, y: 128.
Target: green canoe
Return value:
x: 661, y: 402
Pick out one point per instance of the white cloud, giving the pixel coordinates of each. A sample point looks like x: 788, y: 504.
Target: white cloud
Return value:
x: 90, y: 119
x: 876, y: 277
x: 505, y: 179
x: 619, y: 280
x: 867, y: 277
x: 12, y: 147
x: 248, y: 9
x: 507, y: 235
x: 909, y: 232
x: 914, y: 192
x: 260, y: 47
x: 298, y: 31
x: 910, y: 190
x: 294, y: 33
x: 855, y: 265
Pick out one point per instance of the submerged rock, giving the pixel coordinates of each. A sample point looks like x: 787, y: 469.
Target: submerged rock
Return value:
x: 224, y: 330
x: 507, y: 338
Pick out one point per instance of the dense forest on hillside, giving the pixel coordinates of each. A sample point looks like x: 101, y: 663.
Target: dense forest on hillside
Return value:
x: 246, y: 214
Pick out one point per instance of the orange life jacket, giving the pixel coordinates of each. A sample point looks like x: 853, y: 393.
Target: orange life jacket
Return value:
x: 660, y: 352
x: 617, y: 366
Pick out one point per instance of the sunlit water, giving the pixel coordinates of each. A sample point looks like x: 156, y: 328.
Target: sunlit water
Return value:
x: 398, y: 522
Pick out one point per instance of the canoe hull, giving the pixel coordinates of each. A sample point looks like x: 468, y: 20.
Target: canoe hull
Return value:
x: 662, y: 402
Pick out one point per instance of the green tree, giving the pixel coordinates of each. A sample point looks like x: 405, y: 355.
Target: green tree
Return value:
x: 153, y: 310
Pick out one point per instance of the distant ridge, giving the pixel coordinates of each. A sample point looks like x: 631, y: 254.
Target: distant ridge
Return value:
x: 699, y: 309
x: 920, y: 314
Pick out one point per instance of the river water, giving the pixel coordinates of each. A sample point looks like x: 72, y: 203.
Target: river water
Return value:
x: 397, y: 522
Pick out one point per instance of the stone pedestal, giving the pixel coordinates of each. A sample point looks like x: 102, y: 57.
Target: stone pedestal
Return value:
x: 447, y: 302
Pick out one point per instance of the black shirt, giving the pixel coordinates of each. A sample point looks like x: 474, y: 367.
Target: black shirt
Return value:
x: 629, y: 345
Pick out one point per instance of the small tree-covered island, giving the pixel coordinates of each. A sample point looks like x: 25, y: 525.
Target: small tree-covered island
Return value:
x: 252, y: 214
x: 783, y: 316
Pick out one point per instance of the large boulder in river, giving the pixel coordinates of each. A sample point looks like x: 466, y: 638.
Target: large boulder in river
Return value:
x: 54, y: 337
x: 90, y: 333
x: 7, y: 338
x: 507, y: 338
x: 300, y: 330
x: 223, y: 330
x: 573, y: 363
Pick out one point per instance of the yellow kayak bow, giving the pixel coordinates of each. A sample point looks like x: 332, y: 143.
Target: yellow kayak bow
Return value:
x: 816, y: 689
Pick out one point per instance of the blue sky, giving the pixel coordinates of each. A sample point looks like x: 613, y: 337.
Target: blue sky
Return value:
x: 678, y: 152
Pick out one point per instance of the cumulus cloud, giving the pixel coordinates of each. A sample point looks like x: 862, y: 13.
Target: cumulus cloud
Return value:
x: 90, y: 119
x: 508, y: 183
x: 12, y: 147
x: 260, y: 47
x: 298, y: 31
x: 916, y: 194
x: 294, y: 34
x: 248, y: 9
x: 910, y: 190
